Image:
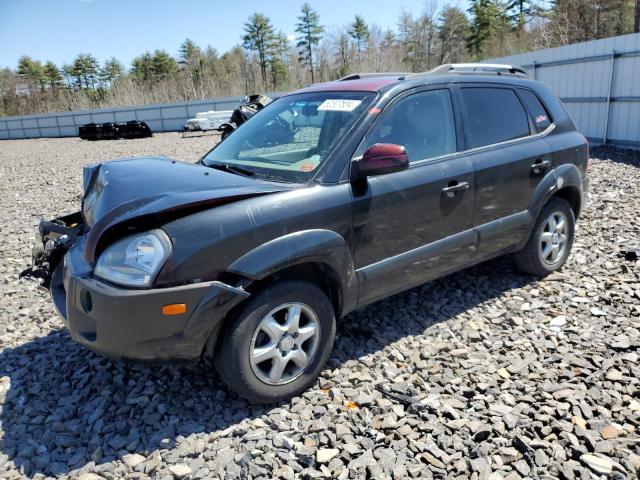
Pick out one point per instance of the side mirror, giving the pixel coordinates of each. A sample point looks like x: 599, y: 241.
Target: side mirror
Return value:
x: 382, y: 158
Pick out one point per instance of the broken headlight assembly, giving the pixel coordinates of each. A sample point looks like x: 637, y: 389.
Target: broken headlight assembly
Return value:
x: 134, y: 261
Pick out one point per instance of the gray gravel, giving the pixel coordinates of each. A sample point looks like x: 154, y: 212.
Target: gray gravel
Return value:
x: 486, y: 374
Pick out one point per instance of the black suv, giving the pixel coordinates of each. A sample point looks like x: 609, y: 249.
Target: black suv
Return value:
x: 332, y: 197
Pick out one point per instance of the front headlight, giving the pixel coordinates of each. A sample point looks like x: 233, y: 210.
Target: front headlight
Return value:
x: 135, y: 260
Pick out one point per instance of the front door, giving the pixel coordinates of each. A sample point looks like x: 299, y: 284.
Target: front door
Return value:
x: 413, y: 225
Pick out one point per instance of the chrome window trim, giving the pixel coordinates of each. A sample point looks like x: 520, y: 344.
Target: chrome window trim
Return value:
x: 542, y: 134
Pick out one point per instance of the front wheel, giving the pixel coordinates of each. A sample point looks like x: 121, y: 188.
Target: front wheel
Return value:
x: 550, y: 242
x: 276, y: 345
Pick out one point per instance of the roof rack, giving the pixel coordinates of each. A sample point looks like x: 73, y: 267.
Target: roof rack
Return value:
x: 358, y: 76
x: 476, y: 69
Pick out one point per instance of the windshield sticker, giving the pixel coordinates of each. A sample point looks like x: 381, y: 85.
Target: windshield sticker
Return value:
x: 541, y: 118
x: 337, y: 105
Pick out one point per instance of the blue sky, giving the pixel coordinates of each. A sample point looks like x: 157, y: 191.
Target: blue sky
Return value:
x: 58, y: 30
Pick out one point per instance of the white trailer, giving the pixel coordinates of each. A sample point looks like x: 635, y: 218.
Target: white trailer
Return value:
x: 206, y: 121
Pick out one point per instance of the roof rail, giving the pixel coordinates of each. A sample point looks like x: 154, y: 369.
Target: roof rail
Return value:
x: 477, y: 69
x: 358, y: 76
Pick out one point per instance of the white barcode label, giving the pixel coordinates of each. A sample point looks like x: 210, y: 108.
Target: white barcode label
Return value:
x: 337, y: 105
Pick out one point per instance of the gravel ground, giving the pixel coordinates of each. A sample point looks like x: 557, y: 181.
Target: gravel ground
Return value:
x: 488, y: 373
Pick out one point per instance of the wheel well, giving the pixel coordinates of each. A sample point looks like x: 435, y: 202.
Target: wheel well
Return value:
x: 572, y: 196
x: 317, y: 273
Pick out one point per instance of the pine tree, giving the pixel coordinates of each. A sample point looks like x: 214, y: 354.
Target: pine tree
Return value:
x: 85, y: 69
x: 453, y: 30
x: 278, y: 60
x: 142, y: 67
x: 310, y: 31
x: 52, y: 75
x: 32, y: 71
x: 359, y: 31
x: 163, y: 64
x: 193, y: 61
x: 521, y: 10
x: 489, y: 21
x: 189, y: 51
x: 258, y: 37
x: 111, y: 70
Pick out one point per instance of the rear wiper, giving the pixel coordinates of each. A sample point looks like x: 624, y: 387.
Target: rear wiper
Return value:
x: 225, y: 167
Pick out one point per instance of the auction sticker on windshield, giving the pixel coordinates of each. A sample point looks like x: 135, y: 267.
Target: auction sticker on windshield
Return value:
x: 339, y: 105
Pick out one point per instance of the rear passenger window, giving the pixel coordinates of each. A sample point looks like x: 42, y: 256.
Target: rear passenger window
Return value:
x: 538, y: 113
x: 493, y: 115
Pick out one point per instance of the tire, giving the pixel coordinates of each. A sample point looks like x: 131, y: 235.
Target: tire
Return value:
x: 534, y: 258
x: 252, y: 348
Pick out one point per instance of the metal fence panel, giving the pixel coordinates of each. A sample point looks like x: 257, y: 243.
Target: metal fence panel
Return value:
x: 597, y: 81
x: 125, y: 115
x: 160, y: 118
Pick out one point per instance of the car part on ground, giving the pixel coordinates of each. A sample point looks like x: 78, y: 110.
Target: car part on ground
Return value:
x: 114, y: 131
x: 251, y: 105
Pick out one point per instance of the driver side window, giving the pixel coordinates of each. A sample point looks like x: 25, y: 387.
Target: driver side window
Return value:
x: 423, y: 123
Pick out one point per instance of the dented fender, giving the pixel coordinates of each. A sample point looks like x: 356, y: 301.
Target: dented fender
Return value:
x: 307, y: 246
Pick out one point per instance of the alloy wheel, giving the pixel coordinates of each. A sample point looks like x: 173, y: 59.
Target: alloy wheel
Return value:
x: 284, y: 343
x: 553, y: 240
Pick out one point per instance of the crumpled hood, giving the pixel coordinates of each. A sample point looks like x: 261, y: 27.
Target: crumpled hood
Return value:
x: 121, y: 191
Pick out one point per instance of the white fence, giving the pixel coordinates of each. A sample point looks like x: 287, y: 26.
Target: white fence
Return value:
x: 599, y: 83
x: 160, y: 118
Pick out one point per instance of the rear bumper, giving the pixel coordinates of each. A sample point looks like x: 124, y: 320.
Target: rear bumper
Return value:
x: 128, y: 324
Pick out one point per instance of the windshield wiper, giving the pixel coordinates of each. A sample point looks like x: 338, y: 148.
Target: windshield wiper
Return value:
x: 225, y: 167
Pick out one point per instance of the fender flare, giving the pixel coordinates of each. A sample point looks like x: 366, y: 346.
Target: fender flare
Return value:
x: 561, y: 177
x: 306, y: 246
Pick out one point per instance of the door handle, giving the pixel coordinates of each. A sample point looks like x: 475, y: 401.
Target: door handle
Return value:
x: 455, y: 187
x: 540, y: 166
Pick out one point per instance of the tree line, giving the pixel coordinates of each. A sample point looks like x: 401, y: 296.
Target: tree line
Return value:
x: 267, y: 60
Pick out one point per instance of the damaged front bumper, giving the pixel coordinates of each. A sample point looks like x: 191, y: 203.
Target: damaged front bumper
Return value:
x: 53, y: 239
x: 122, y: 323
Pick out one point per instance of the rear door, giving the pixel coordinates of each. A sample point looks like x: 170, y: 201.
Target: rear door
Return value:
x: 510, y: 158
x: 413, y: 225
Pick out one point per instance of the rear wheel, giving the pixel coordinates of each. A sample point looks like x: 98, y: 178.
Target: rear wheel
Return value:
x: 550, y: 242
x: 276, y: 345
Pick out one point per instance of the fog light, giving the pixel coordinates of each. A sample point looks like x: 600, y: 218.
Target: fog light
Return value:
x: 85, y: 301
x: 174, y: 309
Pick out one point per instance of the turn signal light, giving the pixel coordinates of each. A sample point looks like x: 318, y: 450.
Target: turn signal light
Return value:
x: 174, y: 309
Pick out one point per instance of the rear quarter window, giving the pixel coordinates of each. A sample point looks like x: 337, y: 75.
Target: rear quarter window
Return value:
x: 493, y: 115
x: 538, y: 112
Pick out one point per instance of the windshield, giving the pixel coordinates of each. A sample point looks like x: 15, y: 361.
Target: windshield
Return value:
x: 291, y: 138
